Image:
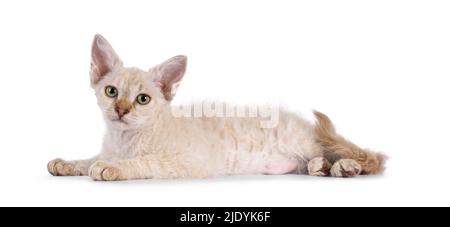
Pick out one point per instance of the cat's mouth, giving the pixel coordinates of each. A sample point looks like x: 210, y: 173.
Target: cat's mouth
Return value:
x: 118, y: 120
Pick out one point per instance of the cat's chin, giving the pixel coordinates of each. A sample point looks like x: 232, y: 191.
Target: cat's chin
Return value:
x: 118, y: 123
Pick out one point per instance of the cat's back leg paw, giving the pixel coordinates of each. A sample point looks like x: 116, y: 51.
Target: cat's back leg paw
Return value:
x: 346, y: 168
x: 319, y: 167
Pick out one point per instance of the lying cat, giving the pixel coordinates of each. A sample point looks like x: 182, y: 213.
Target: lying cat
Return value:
x: 144, y: 140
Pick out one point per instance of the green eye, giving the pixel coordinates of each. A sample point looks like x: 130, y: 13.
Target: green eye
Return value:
x: 111, y: 91
x: 143, y: 99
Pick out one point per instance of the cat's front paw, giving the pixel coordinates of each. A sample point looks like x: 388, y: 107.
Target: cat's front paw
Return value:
x: 103, y: 171
x: 346, y: 168
x: 59, y: 167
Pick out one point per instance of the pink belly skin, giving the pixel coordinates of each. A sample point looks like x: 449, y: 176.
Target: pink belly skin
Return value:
x: 281, y: 167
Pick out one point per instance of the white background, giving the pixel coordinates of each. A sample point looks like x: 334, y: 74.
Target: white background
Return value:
x: 379, y: 69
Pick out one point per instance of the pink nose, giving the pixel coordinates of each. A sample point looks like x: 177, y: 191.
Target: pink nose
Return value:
x: 121, y: 112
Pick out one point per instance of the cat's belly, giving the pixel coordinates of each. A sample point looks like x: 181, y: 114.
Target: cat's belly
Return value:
x: 260, y: 163
x: 280, y: 167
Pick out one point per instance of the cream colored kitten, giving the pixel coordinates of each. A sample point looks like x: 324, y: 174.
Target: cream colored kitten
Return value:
x: 144, y: 139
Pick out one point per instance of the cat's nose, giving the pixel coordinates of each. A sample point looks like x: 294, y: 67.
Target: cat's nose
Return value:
x: 121, y: 112
x: 122, y: 108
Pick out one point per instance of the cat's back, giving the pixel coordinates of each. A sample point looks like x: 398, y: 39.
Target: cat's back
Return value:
x: 279, y: 127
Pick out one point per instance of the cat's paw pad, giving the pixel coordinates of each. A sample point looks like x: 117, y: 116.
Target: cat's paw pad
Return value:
x: 346, y: 168
x: 319, y: 167
x: 102, y: 171
x: 59, y: 167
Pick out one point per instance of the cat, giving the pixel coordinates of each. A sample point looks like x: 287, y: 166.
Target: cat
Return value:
x: 144, y: 140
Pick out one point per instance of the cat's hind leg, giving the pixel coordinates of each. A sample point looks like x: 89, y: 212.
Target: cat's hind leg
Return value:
x: 346, y: 168
x: 348, y: 159
x: 319, y: 167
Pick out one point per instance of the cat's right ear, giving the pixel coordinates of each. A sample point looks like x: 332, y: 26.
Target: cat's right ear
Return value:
x: 103, y: 59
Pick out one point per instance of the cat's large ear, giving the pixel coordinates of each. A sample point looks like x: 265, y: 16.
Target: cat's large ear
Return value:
x: 169, y: 75
x: 103, y: 59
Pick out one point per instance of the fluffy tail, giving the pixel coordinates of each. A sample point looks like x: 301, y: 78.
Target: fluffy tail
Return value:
x: 337, y: 147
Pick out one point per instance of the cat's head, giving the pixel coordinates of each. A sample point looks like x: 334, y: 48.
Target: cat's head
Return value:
x: 130, y: 97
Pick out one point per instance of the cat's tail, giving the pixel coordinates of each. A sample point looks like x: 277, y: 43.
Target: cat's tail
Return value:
x: 337, y: 147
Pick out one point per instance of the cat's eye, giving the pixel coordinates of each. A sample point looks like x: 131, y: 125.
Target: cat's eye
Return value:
x: 143, y: 99
x: 111, y: 91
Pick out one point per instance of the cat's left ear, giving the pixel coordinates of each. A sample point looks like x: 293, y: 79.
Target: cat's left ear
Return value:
x: 169, y: 75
